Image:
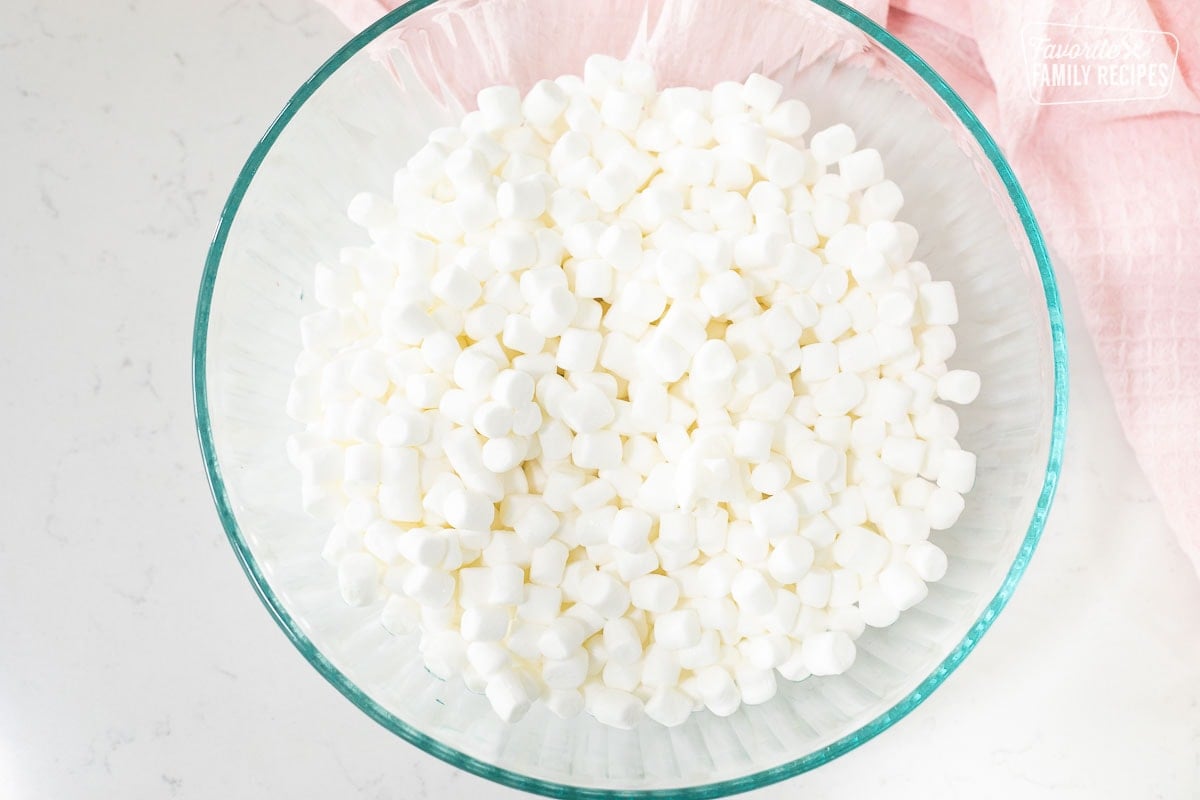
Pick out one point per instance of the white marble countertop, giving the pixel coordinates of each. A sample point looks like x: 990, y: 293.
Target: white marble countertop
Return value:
x: 136, y: 662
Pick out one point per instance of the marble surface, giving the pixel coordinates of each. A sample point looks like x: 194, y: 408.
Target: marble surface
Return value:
x: 136, y: 662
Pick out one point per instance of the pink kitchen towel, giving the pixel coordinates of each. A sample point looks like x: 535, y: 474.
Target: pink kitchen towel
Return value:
x: 1092, y: 102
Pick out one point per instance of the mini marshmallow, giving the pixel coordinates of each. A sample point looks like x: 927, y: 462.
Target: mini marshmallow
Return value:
x: 790, y: 559
x: 654, y: 593
x: 544, y: 104
x: 928, y: 560
x: 521, y: 199
x: 815, y: 588
x: 771, y: 477
x: 713, y: 361
x: 902, y: 586
x: 501, y: 454
x: 957, y: 471
x: 564, y: 703
x: 541, y: 603
x: 861, y: 169
x: 587, y: 410
x: 598, y: 450
x: 761, y: 93
x: 613, y: 707
x: 830, y: 653
x: 578, y: 349
x: 668, y: 707
x: 562, y: 637
x: 485, y: 624
x: 751, y: 592
x: 622, y: 641
x: 860, y: 550
x: 943, y: 508
x: 937, y: 303
x: 904, y: 525
x: 746, y: 544
x: 492, y: 419
x: 551, y: 314
x: 676, y: 630
x: 605, y: 594
x: 510, y: 695
x: 467, y: 509
x: 612, y: 187
x: 813, y: 461
x: 959, y: 386
x: 904, y: 455
x: 775, y: 517
x: 755, y: 684
x: 547, y: 563
x: 522, y: 335
x: 881, y: 201
x: 832, y: 143
x: 788, y: 119
x: 718, y: 690
x: 429, y: 587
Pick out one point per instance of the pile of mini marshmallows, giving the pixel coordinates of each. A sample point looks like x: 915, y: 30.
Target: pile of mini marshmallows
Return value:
x: 633, y: 404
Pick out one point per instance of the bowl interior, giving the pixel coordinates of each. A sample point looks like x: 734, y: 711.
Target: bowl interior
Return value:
x: 359, y: 119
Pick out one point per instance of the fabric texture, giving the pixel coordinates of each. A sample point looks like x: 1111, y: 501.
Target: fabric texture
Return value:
x: 1115, y: 186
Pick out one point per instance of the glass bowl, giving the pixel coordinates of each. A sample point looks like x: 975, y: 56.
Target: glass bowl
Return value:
x: 356, y: 121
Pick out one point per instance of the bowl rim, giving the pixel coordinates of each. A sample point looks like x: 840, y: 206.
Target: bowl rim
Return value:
x: 516, y: 780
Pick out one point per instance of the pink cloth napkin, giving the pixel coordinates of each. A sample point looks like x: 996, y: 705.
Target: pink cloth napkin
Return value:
x: 1115, y: 185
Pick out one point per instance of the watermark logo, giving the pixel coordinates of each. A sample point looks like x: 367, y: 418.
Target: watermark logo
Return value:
x: 1088, y: 64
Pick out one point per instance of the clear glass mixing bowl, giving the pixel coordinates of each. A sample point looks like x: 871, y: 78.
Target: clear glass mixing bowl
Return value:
x: 349, y: 127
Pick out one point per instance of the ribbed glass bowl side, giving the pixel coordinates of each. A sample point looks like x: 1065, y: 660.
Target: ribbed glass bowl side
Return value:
x: 355, y: 122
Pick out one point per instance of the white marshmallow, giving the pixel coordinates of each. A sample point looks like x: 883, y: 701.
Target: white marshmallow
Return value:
x: 485, y: 624
x: 713, y: 361
x: 562, y: 637
x: 755, y: 685
x: 578, y: 350
x: 655, y: 593
x: 775, y: 517
x: 902, y: 585
x: 751, y: 592
x: 832, y: 143
x: 676, y: 630
x: 622, y: 641
x: 830, y: 653
x: 861, y: 169
x: 429, y: 587
x: 668, y: 707
x: 880, y: 202
x: 790, y: 559
x: 605, y: 594
x: 943, y: 508
x: 612, y: 187
x: 937, y: 303
x: 541, y: 603
x: 928, y: 560
x: 761, y: 93
x: 957, y: 471
x: 959, y: 386
x: 613, y: 707
x: 860, y: 550
x: 467, y: 509
x: 500, y: 107
x: 544, y: 104
x: 718, y: 690
x: 510, y: 695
